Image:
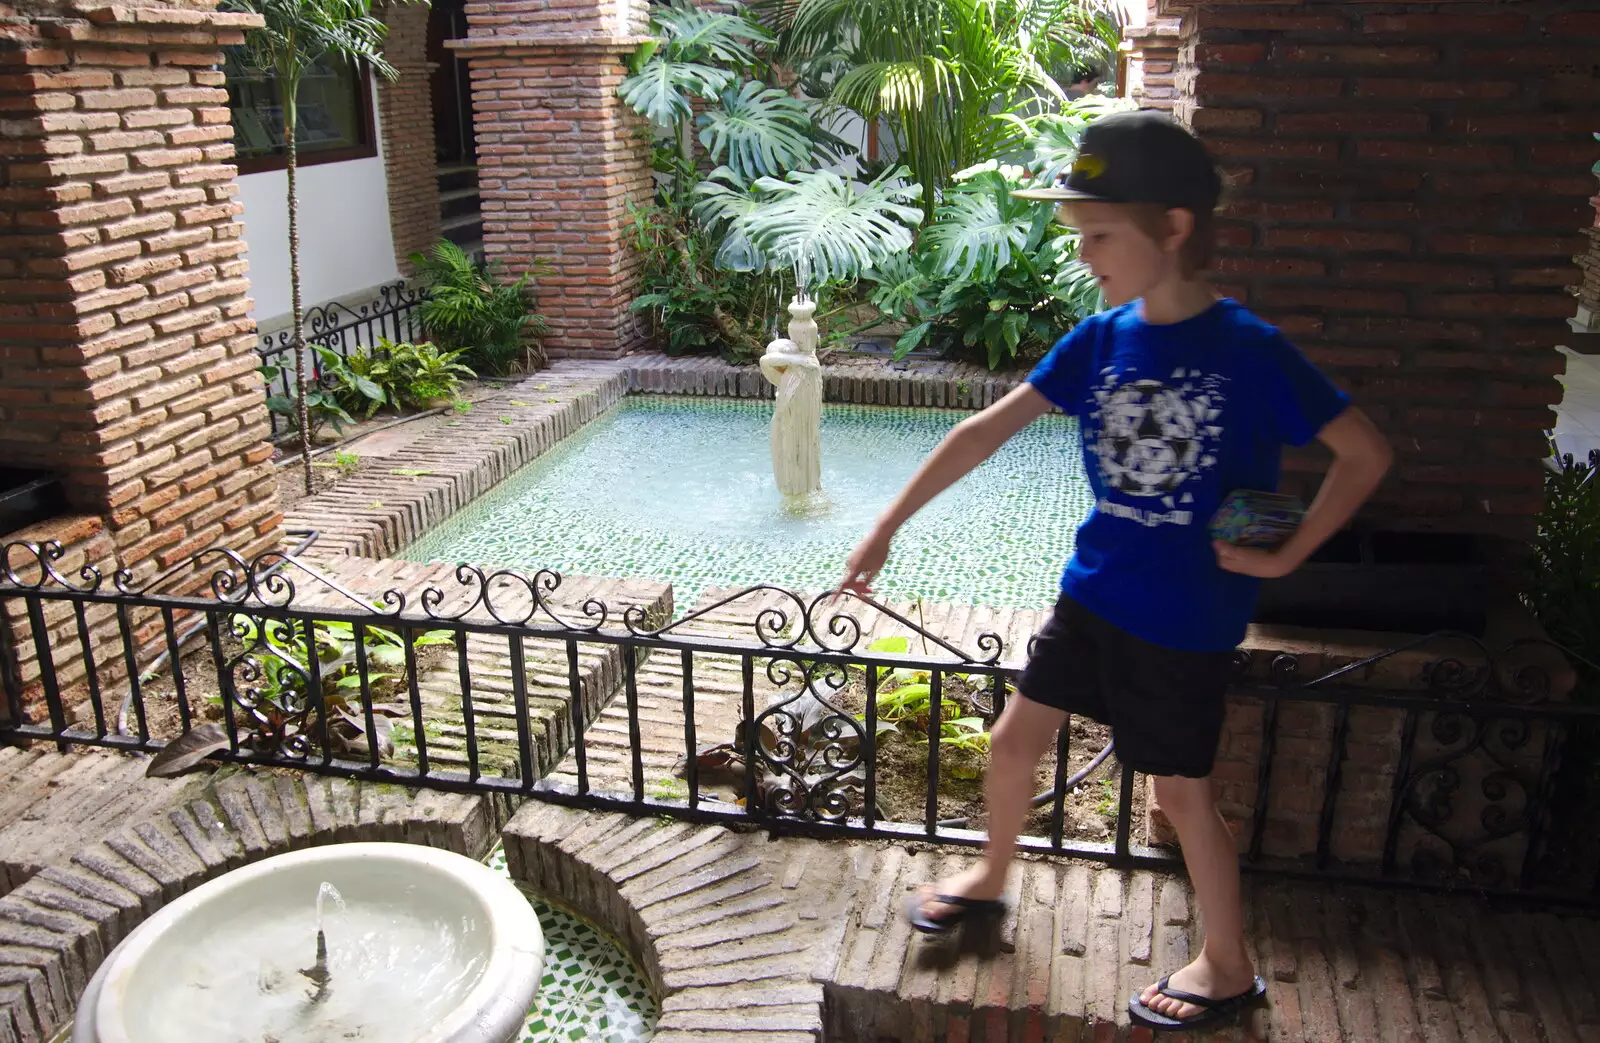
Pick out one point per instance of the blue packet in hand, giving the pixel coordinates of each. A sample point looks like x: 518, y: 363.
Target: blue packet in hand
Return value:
x: 1261, y: 520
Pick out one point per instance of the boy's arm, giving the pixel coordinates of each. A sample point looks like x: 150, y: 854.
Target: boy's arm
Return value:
x: 969, y: 444
x: 1361, y: 457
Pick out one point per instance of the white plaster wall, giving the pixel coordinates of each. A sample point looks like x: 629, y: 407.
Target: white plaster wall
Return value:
x: 345, y: 243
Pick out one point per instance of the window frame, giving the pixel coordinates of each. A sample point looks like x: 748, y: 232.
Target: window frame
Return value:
x: 365, y: 122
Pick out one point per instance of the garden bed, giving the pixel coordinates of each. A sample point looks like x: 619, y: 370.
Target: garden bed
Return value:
x: 203, y: 689
x: 1090, y: 810
x: 365, y: 444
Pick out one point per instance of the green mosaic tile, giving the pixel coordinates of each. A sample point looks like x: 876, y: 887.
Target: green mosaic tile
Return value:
x: 590, y: 990
x: 681, y: 490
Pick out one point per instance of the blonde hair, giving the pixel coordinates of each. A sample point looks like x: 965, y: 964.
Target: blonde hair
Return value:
x: 1196, y: 252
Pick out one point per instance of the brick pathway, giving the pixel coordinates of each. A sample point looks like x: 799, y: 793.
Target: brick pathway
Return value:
x: 1344, y: 963
x: 545, y: 662
x: 52, y: 804
x: 737, y: 928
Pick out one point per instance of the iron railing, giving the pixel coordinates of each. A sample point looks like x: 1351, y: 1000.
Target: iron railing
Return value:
x: 490, y: 682
x: 395, y: 314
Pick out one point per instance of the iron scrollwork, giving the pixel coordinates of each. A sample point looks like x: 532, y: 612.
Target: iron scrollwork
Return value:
x: 1470, y: 797
x: 270, y: 683
x: 809, y: 748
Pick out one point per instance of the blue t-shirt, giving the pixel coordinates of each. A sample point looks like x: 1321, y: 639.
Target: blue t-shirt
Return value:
x: 1174, y: 418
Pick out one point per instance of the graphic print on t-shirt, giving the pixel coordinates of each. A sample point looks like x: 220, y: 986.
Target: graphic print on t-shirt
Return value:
x: 1151, y: 436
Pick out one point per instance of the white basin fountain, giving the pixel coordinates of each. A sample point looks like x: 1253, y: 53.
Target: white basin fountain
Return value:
x: 383, y: 942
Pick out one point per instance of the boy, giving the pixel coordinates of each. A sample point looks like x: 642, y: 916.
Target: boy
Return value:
x: 1183, y: 398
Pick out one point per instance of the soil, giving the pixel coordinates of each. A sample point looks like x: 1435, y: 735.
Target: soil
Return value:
x: 328, y: 470
x: 204, y: 691
x: 1090, y: 810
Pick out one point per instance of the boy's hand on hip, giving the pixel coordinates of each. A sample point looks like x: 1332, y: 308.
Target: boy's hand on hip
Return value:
x: 1263, y: 564
x: 864, y: 564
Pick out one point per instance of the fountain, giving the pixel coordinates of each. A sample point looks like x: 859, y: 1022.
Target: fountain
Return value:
x: 406, y: 944
x: 791, y: 365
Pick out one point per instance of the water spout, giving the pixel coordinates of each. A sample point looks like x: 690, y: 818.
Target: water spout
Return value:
x: 791, y: 365
x: 318, y: 973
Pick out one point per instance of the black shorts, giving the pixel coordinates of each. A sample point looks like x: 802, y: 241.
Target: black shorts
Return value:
x: 1164, y: 706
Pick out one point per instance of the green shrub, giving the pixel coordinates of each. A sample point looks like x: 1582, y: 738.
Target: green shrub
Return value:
x: 470, y: 309
x: 1563, y: 589
x: 995, y: 277
x: 424, y: 372
x: 322, y: 403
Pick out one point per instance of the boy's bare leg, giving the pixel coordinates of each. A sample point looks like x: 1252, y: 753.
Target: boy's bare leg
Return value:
x: 1223, y: 967
x: 1021, y: 736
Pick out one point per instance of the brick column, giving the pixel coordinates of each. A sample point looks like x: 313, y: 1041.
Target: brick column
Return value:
x: 559, y: 158
x: 405, y: 109
x: 1154, y: 62
x: 1587, y: 320
x: 1406, y: 190
x: 127, y: 360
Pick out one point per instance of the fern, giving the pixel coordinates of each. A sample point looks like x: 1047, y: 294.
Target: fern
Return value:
x: 469, y: 308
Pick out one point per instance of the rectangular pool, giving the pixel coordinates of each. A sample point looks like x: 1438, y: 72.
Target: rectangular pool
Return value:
x: 681, y: 490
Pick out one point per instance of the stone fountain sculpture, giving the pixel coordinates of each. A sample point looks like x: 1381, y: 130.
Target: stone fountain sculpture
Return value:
x: 791, y: 365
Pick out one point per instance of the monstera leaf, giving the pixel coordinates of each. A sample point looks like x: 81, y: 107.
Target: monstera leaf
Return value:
x: 660, y: 92
x: 693, y: 34
x: 760, y: 129
x: 724, y: 202
x: 981, y: 226
x: 666, y: 75
x: 828, y: 228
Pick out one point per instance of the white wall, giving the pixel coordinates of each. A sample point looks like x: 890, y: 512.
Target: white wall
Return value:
x: 345, y: 244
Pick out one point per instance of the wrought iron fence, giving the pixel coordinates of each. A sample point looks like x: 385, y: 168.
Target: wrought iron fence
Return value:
x: 394, y: 314
x: 777, y: 709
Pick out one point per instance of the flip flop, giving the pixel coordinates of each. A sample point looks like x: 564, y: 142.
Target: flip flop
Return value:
x: 1211, y: 1012
x: 965, y: 909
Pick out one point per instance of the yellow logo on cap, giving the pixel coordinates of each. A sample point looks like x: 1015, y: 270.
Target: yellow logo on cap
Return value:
x: 1089, y: 166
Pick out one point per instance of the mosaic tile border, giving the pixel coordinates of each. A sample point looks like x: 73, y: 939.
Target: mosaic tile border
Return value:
x: 591, y: 992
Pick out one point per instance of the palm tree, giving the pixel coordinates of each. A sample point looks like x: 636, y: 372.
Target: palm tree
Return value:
x: 298, y: 34
x: 957, y: 82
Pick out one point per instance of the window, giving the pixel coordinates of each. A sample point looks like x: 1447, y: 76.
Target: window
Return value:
x: 335, y: 114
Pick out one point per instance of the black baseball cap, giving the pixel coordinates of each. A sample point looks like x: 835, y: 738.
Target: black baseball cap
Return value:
x: 1137, y: 157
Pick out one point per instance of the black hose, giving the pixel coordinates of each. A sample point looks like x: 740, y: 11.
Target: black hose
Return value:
x: 1050, y: 794
x: 307, y: 538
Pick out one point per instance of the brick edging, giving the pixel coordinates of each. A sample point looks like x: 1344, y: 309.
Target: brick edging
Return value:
x: 378, y: 512
x: 718, y: 935
x: 948, y: 385
x: 57, y: 928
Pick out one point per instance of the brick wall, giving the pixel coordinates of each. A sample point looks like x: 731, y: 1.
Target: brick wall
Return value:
x: 1407, y: 183
x: 559, y: 159
x: 405, y: 110
x: 127, y: 361
x: 1588, y: 288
